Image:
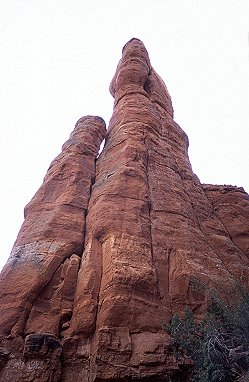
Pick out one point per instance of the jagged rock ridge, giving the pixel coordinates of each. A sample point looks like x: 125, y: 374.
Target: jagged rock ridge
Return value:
x: 110, y: 244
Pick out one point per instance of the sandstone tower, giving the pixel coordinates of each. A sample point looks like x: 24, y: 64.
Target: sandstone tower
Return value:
x: 110, y: 244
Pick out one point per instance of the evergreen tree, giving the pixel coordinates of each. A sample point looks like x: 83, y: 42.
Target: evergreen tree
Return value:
x: 219, y: 344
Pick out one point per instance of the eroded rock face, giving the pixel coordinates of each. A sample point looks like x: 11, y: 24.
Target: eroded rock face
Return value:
x: 107, y: 254
x: 231, y: 206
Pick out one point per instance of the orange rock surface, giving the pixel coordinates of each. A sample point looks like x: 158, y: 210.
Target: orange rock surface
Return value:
x: 110, y: 246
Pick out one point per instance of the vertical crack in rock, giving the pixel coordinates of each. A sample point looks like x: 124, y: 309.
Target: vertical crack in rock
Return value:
x: 111, y: 244
x: 150, y: 206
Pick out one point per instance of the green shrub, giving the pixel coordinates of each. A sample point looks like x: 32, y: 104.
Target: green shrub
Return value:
x: 219, y: 344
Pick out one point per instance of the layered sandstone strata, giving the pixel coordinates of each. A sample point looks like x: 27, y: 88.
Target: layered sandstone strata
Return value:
x: 107, y: 254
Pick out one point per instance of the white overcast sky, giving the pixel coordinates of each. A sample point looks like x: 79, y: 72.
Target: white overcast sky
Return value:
x: 57, y: 58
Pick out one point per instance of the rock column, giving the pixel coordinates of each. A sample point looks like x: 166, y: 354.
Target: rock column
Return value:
x: 37, y: 284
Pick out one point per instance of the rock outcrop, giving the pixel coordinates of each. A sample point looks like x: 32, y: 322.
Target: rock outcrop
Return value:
x: 110, y: 246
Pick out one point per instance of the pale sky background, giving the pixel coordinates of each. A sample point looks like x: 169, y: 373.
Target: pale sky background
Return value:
x: 57, y: 58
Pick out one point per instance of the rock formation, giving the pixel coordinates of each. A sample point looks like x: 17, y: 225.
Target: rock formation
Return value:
x: 110, y: 245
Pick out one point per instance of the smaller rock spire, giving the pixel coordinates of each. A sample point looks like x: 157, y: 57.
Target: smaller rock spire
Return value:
x: 53, y: 230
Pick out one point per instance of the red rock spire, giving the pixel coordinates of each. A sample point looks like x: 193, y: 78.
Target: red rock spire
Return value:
x: 149, y: 227
x: 143, y: 226
x: 53, y: 230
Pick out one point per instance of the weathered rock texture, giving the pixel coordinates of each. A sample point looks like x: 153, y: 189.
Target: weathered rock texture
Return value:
x: 107, y: 254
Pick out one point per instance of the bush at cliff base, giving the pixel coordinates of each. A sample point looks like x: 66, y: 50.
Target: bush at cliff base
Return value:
x: 219, y: 344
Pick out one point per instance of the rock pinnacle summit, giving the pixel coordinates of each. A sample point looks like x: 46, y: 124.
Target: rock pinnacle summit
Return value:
x: 110, y: 244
